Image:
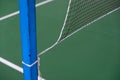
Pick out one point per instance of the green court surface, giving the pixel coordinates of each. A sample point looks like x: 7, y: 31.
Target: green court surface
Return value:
x: 91, y: 54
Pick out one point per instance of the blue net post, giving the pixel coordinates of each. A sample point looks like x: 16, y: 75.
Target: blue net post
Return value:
x: 28, y: 37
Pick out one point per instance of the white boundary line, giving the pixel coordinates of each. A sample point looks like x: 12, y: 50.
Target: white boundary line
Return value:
x: 14, y: 66
x: 10, y: 64
x: 17, y: 12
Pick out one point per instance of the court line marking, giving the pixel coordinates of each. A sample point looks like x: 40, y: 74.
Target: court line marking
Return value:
x: 17, y: 12
x: 14, y: 66
x: 10, y: 64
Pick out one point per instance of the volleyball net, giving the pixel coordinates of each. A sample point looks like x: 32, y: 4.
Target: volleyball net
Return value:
x: 82, y: 13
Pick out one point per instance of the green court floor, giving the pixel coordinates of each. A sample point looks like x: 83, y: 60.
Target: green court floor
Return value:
x: 91, y: 54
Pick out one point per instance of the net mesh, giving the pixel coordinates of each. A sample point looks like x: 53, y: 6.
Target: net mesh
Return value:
x: 82, y: 12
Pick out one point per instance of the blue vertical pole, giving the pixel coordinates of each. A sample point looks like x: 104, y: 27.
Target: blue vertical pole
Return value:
x: 28, y: 35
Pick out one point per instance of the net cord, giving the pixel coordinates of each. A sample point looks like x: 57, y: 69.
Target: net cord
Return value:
x: 58, y: 40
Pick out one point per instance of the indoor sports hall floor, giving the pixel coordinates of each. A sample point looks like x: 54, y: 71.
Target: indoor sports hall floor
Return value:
x: 91, y: 54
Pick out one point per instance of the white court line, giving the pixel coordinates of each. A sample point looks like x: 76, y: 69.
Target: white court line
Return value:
x: 10, y: 64
x: 14, y: 66
x: 17, y: 12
